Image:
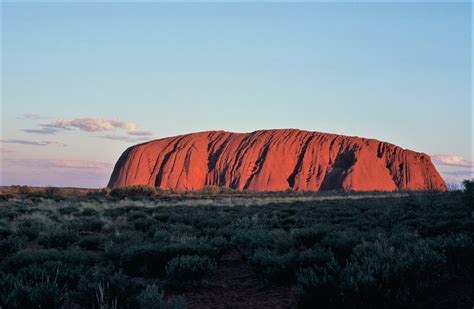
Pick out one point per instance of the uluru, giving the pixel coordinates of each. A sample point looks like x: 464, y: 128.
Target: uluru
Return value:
x: 275, y: 160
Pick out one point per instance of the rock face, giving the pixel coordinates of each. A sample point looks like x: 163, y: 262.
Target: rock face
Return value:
x: 274, y: 160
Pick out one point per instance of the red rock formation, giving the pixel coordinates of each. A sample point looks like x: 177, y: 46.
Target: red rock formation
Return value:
x: 273, y: 160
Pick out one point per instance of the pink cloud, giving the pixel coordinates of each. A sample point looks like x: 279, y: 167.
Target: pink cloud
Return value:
x: 89, y: 125
x: 93, y: 124
x: 31, y: 143
x: 30, y: 116
x: 125, y: 138
x: 140, y: 133
x: 450, y: 160
x: 56, y: 172
x: 97, y: 166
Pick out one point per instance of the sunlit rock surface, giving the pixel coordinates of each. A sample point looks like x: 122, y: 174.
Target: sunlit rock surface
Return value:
x: 274, y: 160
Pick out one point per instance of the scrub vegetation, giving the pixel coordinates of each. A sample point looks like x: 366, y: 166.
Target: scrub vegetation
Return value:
x: 139, y: 248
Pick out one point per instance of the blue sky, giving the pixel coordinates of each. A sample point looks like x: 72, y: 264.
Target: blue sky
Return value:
x: 398, y: 72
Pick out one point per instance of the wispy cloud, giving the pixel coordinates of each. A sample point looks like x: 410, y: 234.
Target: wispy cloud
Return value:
x: 54, y: 172
x: 62, y: 164
x: 116, y: 137
x: 89, y: 125
x: 453, y: 168
x: 93, y: 124
x: 451, y: 160
x: 125, y: 138
x: 140, y: 133
x: 3, y: 150
x: 30, y: 116
x: 43, y: 130
x: 31, y: 143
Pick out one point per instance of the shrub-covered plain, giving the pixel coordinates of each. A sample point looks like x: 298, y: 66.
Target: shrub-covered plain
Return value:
x: 105, y: 250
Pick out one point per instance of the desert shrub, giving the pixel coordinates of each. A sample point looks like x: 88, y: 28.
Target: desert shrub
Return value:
x: 308, y: 236
x: 103, y: 297
x: 146, y: 260
x: 149, y: 260
x: 318, y: 286
x: 152, y: 298
x: 5, y: 231
x: 161, y: 217
x: 387, y: 274
x: 317, y: 255
x: 117, y: 244
x: 136, y: 214
x: 220, y: 244
x: 459, y: 252
x: 143, y: 224
x: 64, y: 274
x: 248, y: 240
x: 133, y: 192
x: 90, y: 242
x: 44, y: 292
x: 53, y: 193
x: 85, y: 293
x: 87, y: 224
x: 124, y: 288
x: 192, y: 247
x: 23, y: 258
x: 342, y: 243
x: 68, y: 210
x: 273, y: 267
x: 98, y: 195
x: 161, y: 236
x: 188, y: 268
x: 58, y: 238
x: 11, y: 245
x: 7, y: 213
x: 210, y: 190
x: 30, y: 228
x: 89, y: 212
x: 468, y: 193
x: 114, y: 212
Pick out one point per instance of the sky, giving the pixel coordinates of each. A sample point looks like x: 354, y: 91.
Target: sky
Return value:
x: 81, y: 82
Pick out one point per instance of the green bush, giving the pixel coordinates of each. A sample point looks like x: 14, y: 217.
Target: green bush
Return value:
x: 308, y: 236
x: 30, y: 228
x: 273, y: 267
x: 143, y: 224
x: 318, y: 286
x: 133, y: 192
x: 459, y: 252
x: 87, y: 224
x: 146, y: 260
x: 68, y: 210
x: 342, y: 243
x: 89, y: 212
x: 248, y: 240
x: 58, y: 238
x: 152, y: 298
x: 5, y: 231
x: 124, y: 288
x: 90, y: 242
x: 315, y: 256
x: 468, y: 193
x: 189, y: 268
x: 386, y: 273
x: 42, y: 292
x: 11, y: 245
x: 72, y: 257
